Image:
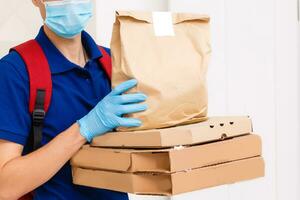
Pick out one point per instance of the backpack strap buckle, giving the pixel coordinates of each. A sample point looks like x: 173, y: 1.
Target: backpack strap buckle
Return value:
x: 38, y: 117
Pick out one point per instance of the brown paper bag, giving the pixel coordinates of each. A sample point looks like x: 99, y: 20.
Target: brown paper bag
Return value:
x: 168, y: 54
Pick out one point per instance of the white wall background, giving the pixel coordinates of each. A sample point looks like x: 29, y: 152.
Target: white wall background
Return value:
x: 254, y: 71
x: 20, y: 21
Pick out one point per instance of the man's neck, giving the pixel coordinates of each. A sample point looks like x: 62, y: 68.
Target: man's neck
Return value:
x: 72, y: 48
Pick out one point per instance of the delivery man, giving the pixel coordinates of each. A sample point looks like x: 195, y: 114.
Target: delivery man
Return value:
x: 82, y: 106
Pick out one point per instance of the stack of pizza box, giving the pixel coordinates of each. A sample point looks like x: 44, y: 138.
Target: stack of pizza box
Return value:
x: 169, y: 161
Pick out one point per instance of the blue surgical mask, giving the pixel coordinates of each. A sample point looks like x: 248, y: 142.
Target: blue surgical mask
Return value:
x: 67, y: 18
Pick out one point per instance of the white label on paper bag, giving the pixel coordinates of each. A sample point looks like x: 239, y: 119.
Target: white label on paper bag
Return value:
x: 163, y: 24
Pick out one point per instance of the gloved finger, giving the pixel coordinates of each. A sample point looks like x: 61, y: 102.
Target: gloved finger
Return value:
x: 123, y: 87
x: 129, y: 122
x: 130, y: 98
x: 132, y: 108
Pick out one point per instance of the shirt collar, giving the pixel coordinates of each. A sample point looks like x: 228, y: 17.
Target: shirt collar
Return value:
x: 57, y: 61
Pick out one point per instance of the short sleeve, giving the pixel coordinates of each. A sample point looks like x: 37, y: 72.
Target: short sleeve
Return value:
x: 15, y: 119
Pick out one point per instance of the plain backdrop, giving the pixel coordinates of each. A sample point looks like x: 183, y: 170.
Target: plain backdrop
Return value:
x: 254, y: 71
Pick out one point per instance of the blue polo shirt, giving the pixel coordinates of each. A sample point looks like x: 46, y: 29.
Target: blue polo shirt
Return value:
x: 76, y: 91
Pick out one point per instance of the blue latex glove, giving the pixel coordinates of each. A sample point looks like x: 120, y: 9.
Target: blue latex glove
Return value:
x: 107, y: 114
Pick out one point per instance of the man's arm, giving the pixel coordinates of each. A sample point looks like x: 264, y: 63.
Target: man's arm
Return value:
x: 22, y: 174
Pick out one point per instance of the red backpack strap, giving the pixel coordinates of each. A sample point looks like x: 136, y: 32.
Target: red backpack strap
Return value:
x: 38, y: 71
x: 105, y: 60
x: 40, y: 85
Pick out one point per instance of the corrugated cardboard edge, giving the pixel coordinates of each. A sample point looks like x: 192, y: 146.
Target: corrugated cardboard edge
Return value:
x: 215, y: 128
x: 133, y: 139
x: 171, y: 184
x: 219, y: 128
x: 227, y: 173
x: 111, y: 159
x: 216, y: 153
x: 107, y: 179
x: 168, y: 160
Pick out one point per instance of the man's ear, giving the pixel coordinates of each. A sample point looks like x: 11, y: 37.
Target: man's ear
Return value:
x: 36, y: 2
x: 39, y: 4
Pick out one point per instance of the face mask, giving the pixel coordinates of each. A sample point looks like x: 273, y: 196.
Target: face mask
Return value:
x: 67, y: 18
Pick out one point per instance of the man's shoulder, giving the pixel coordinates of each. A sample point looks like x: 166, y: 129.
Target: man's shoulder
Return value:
x: 12, y: 64
x: 14, y: 90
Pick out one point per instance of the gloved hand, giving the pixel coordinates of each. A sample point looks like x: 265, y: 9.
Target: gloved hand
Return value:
x: 107, y: 114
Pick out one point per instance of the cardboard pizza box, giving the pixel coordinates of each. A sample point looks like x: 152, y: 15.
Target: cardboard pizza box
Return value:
x: 169, y: 159
x: 213, y: 129
x: 171, y: 183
